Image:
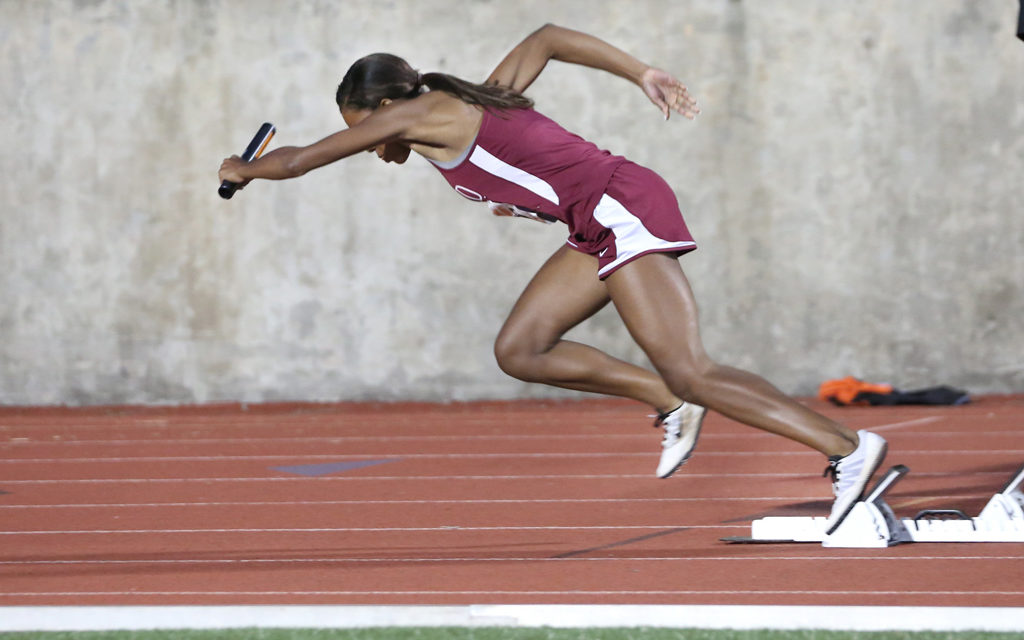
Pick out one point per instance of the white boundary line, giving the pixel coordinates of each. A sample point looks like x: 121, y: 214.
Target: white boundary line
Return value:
x: 443, y: 560
x: 441, y: 529
x: 334, y: 478
x: 448, y: 478
x: 399, y: 457
x: 907, y: 423
x: 501, y: 592
x: 50, y: 618
x: 307, y: 503
x: 18, y: 441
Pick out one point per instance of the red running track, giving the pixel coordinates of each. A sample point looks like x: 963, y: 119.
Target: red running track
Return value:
x: 482, y: 503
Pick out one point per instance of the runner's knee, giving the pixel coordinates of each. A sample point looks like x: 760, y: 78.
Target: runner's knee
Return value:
x: 518, y: 356
x: 687, y: 377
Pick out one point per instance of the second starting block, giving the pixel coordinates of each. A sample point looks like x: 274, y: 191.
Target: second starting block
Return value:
x: 872, y: 524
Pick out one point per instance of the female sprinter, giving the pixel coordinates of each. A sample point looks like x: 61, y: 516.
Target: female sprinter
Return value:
x: 625, y: 237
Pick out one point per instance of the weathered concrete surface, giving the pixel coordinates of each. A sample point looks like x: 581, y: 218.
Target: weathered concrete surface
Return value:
x: 855, y: 183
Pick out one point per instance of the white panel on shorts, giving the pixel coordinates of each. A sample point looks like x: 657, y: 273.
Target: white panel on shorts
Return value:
x: 631, y: 236
x: 497, y: 167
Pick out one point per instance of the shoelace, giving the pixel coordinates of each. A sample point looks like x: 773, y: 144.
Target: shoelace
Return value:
x: 661, y: 417
x: 671, y: 435
x: 833, y: 470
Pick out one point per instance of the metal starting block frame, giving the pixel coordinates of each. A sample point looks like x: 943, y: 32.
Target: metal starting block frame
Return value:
x: 872, y: 524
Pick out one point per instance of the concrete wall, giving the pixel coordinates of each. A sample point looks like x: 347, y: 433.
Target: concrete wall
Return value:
x: 856, y: 184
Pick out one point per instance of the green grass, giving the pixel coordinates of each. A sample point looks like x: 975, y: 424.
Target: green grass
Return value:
x: 495, y: 633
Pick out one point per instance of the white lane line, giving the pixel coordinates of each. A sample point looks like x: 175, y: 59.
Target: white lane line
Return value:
x: 382, y: 422
x: 330, y: 478
x: 318, y: 503
x: 538, y: 592
x: 443, y: 529
x: 907, y: 423
x: 158, y: 439
x: 393, y: 456
x: 442, y: 560
x: 363, y: 478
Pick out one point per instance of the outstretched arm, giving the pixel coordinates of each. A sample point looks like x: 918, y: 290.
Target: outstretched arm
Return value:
x: 386, y: 124
x: 525, y: 62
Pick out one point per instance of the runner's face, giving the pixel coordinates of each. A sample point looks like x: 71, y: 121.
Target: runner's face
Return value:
x: 388, y: 152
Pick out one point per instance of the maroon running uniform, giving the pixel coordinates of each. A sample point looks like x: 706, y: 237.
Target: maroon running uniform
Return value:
x: 616, y: 210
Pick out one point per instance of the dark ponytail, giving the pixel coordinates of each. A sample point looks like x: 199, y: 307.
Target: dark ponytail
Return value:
x: 485, y: 95
x: 382, y: 75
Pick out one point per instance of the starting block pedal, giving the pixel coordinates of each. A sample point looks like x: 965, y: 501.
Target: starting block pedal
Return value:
x: 872, y: 524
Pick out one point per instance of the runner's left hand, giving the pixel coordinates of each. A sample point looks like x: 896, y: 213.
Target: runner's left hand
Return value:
x: 668, y: 93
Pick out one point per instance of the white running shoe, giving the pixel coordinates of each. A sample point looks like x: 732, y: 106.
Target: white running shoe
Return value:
x: 682, y: 426
x: 850, y: 475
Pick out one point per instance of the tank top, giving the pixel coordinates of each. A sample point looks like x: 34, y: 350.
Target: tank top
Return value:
x: 528, y: 161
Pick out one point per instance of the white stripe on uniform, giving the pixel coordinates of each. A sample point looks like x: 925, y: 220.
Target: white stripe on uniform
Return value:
x: 631, y: 236
x: 500, y: 168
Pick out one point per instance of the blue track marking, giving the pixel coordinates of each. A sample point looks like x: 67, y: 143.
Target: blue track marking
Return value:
x: 328, y: 468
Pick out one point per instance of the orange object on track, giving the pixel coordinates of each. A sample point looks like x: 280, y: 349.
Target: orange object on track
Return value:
x: 845, y: 391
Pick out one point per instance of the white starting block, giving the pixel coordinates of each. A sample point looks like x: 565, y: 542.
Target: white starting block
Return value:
x: 872, y: 524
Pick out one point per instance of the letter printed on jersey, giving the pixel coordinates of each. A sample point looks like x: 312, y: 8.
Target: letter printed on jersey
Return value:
x: 466, y: 192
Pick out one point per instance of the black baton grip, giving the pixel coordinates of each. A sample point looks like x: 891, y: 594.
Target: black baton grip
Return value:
x: 254, y: 150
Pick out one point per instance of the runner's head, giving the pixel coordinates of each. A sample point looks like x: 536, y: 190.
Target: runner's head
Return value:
x: 378, y: 77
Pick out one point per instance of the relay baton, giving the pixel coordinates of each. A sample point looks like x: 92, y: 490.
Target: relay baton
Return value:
x: 254, y: 150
